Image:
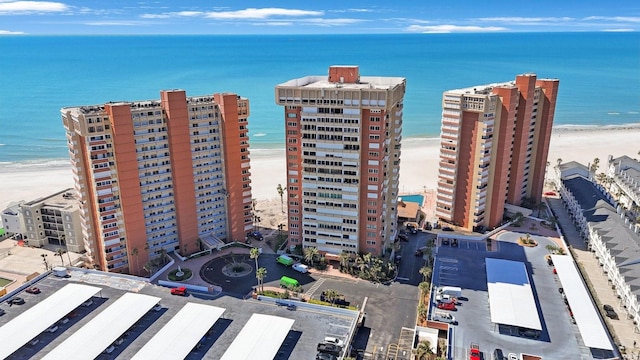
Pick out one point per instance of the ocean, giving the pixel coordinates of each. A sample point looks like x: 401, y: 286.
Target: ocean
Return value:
x: 599, y: 76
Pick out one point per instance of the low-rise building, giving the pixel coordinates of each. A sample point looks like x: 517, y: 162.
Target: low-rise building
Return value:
x: 51, y: 220
x: 609, y: 233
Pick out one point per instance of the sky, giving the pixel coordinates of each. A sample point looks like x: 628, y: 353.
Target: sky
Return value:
x: 110, y: 17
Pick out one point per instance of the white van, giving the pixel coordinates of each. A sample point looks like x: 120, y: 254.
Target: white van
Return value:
x: 300, y: 268
x: 452, y: 291
x: 444, y: 317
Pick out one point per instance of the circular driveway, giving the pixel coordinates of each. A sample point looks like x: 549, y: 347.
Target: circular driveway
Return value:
x: 212, y: 272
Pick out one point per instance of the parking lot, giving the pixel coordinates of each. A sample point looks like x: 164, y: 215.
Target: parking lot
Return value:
x: 382, y: 326
x: 464, y: 266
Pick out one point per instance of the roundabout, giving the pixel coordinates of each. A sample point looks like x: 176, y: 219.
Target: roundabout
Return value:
x: 235, y: 273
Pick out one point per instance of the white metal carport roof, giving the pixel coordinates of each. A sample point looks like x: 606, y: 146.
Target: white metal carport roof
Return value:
x: 589, y: 322
x: 181, y: 334
x: 260, y: 338
x: 17, y: 332
x: 510, y: 298
x: 93, y: 338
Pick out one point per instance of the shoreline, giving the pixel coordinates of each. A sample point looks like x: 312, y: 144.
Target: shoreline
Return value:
x: 418, y: 170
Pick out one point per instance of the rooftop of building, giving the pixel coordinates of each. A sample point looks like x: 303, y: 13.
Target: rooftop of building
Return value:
x: 139, y: 104
x: 625, y: 162
x: 365, y: 82
x: 487, y: 89
x: 309, y: 328
x: 623, y: 244
x: 66, y: 200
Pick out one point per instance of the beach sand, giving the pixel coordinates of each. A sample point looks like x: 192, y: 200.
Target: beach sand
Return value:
x: 418, y: 168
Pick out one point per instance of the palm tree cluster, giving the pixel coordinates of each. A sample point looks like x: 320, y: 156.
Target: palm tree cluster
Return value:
x: 367, y: 267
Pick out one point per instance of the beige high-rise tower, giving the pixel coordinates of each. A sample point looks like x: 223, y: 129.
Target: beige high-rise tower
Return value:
x: 494, y: 148
x: 343, y: 135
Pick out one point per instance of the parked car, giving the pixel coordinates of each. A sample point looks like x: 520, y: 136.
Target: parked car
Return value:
x: 302, y: 268
x: 87, y: 303
x: 181, y: 291
x: 16, y: 301
x: 403, y: 237
x: 530, y: 333
x: 158, y: 307
x: 446, y: 298
x: 444, y: 317
x: 52, y: 328
x: 109, y: 350
x: 498, y: 354
x: 474, y: 352
x: 33, y: 290
x: 419, y: 252
x: 333, y: 340
x: 325, y: 356
x: 447, y: 228
x: 513, y: 356
x: 611, y: 314
x: 446, y: 306
x: 329, y: 349
x: 2, y: 312
x: 256, y: 235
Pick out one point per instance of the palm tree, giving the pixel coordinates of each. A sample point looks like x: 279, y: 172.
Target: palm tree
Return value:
x: 261, y: 273
x: 60, y: 252
x: 280, y: 190
x: 135, y: 252
x: 330, y: 295
x: 344, y: 259
x: 254, y: 253
x: 426, y: 272
x: 310, y: 255
x: 423, y: 351
x: 595, y: 165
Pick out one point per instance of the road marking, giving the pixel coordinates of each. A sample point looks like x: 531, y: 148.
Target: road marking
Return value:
x: 315, y: 287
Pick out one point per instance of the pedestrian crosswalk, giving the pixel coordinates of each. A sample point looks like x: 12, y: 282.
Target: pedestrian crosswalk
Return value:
x: 315, y: 287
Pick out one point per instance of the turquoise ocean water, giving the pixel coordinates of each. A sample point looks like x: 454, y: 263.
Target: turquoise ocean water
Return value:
x: 599, y: 76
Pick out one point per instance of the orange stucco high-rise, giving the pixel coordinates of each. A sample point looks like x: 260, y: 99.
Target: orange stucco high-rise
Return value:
x: 160, y: 176
x: 494, y: 148
x: 343, y: 136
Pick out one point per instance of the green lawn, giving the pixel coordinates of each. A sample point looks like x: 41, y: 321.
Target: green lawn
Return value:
x: 4, y: 282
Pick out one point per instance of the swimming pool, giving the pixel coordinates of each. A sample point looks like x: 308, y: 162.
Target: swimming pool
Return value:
x: 416, y: 198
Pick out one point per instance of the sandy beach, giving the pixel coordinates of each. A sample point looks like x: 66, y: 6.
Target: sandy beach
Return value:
x: 418, y: 170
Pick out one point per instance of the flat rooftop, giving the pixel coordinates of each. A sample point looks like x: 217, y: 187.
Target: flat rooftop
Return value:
x: 311, y: 323
x: 366, y: 82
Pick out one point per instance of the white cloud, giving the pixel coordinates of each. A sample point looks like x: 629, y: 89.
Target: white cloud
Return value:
x: 274, y: 23
x: 264, y: 13
x: 23, y: 7
x: 516, y: 20
x: 249, y: 14
x: 453, y: 28
x: 7, y: 32
x: 115, y: 23
x: 619, y: 30
x: 331, y: 22
x: 615, y: 18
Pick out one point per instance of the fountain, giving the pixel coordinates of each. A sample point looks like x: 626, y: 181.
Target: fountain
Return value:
x: 179, y: 273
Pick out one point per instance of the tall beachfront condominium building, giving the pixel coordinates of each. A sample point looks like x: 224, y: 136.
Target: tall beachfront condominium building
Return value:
x: 160, y: 175
x: 494, y: 147
x: 343, y: 135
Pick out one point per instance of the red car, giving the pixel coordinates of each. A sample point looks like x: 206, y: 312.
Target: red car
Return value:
x: 182, y: 291
x: 474, y: 352
x: 446, y: 306
x: 33, y: 290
